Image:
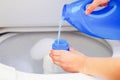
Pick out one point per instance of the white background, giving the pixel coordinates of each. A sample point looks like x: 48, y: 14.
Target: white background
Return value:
x: 31, y: 12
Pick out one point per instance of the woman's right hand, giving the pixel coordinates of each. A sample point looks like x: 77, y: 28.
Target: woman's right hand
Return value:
x: 95, y: 4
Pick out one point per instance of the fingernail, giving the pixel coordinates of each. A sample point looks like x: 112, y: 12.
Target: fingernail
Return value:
x: 87, y: 13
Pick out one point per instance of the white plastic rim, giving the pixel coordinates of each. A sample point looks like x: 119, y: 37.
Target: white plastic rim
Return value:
x: 9, y: 73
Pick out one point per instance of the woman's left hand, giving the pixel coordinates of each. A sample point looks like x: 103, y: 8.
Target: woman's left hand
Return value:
x: 70, y: 61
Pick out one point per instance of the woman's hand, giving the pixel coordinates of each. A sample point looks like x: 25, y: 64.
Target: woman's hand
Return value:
x: 107, y: 68
x: 70, y: 61
x: 95, y: 4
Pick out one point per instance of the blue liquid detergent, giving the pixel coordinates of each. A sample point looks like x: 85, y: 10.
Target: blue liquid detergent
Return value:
x: 104, y: 23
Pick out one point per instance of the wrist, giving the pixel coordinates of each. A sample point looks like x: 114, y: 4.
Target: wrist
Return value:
x: 83, y: 69
x: 93, y: 67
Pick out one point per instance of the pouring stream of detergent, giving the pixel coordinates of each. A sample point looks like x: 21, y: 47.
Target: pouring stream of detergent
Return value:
x: 59, y: 29
x: 60, y: 44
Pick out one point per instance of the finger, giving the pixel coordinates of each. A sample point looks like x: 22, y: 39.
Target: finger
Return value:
x: 51, y: 55
x: 104, y: 4
x: 71, y: 48
x: 57, y: 52
x: 56, y: 58
x: 54, y: 53
x: 57, y: 63
x: 91, y: 7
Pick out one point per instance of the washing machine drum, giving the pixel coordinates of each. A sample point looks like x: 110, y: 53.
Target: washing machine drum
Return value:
x: 26, y: 52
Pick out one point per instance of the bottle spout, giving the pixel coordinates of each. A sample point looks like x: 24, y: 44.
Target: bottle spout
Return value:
x: 64, y: 12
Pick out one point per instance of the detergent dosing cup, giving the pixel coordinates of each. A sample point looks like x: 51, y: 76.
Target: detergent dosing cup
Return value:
x: 60, y: 44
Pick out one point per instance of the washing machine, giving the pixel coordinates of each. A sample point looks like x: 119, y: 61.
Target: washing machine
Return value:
x: 24, y: 23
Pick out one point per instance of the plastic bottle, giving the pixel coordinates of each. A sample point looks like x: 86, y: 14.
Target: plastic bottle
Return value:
x: 103, y: 23
x: 60, y: 44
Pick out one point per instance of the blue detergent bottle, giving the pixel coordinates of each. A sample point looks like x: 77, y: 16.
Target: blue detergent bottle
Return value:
x: 60, y: 44
x: 103, y: 23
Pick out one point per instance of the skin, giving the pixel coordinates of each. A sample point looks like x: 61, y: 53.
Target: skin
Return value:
x: 95, y: 4
x: 75, y: 62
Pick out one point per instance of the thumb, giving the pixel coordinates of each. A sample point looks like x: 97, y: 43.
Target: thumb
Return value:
x: 71, y: 49
x: 91, y: 7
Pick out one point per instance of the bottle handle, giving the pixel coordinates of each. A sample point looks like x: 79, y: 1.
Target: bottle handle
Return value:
x: 107, y: 10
